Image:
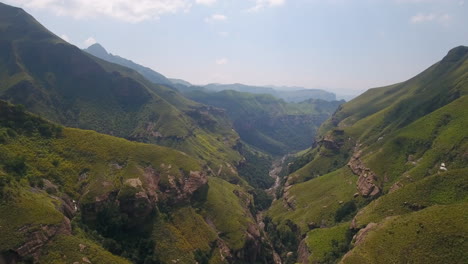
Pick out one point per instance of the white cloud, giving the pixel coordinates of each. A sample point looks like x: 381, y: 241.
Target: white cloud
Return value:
x: 421, y: 18
x: 89, y: 41
x: 126, y: 10
x: 261, y: 4
x: 205, y: 2
x: 216, y: 17
x: 65, y: 37
x: 222, y: 61
x: 431, y: 17
x: 223, y: 34
x: 461, y: 3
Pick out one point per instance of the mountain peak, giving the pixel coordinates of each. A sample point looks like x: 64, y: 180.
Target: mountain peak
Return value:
x: 456, y: 54
x: 97, y: 50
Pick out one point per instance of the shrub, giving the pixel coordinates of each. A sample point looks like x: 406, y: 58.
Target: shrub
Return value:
x: 345, y: 211
x: 15, y: 165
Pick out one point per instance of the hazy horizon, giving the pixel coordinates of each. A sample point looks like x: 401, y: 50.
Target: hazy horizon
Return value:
x: 341, y: 46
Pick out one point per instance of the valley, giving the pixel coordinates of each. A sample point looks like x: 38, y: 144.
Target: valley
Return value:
x: 103, y: 160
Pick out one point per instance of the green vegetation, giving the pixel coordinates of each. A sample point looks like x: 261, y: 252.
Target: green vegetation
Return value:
x: 71, y: 195
x: 434, y: 235
x: 412, y: 136
x: 329, y: 244
x: 299, y: 94
x: 226, y: 207
x: 445, y: 188
x: 315, y: 201
x: 256, y: 168
x: 76, y: 89
x: 129, y: 204
x: 186, y: 236
x: 24, y: 208
x: 69, y: 249
x: 267, y: 123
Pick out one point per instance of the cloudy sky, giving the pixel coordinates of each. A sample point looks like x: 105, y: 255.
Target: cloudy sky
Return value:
x: 347, y: 45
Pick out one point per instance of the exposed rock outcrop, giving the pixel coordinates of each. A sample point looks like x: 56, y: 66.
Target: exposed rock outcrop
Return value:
x: 332, y: 140
x: 367, y: 181
x: 139, y: 196
x: 303, y: 252
x: 361, y: 235
x: 38, y: 238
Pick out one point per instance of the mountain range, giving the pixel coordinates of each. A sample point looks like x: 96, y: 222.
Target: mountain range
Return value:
x: 106, y: 161
x: 289, y: 94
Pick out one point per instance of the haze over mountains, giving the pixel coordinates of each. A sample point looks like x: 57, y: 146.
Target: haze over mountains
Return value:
x: 106, y: 161
x: 296, y: 94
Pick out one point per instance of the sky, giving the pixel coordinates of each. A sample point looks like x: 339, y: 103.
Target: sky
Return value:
x: 345, y: 46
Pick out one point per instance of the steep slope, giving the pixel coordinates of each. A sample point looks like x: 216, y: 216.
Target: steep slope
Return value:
x: 68, y: 86
x: 83, y: 196
x: 391, y: 165
x: 269, y: 124
x: 153, y: 76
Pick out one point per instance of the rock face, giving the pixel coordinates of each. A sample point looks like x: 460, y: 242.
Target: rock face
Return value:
x: 367, y: 181
x: 361, y: 235
x: 303, y: 252
x: 37, y: 239
x: 139, y: 196
x: 331, y: 141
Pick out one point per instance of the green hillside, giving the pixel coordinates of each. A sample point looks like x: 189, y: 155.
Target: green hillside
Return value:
x: 66, y: 85
x: 269, y: 124
x: 389, y: 161
x: 75, y: 194
x: 100, y: 163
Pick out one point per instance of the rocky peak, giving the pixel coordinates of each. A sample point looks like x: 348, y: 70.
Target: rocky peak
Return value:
x: 98, y: 51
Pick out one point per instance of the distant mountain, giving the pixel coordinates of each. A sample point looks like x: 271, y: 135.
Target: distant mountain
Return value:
x: 387, y: 178
x: 73, y: 195
x: 153, y: 76
x: 297, y: 95
x: 180, y: 81
x: 67, y: 85
x: 268, y: 123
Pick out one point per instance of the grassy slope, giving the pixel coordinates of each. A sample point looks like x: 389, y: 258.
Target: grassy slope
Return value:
x: 66, y: 249
x: 323, y: 241
x: 405, y: 132
x: 69, y: 86
x: 439, y: 189
x: 227, y: 211
x: 180, y: 237
x: 316, y: 200
x: 107, y: 162
x: 434, y: 235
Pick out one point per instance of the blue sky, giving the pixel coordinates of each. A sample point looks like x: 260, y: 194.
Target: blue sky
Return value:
x: 341, y: 45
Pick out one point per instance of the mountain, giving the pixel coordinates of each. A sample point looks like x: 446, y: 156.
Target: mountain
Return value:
x: 83, y: 196
x: 180, y: 82
x: 386, y: 180
x: 155, y: 77
x: 76, y: 195
x: 298, y: 95
x: 267, y: 123
x: 66, y: 85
